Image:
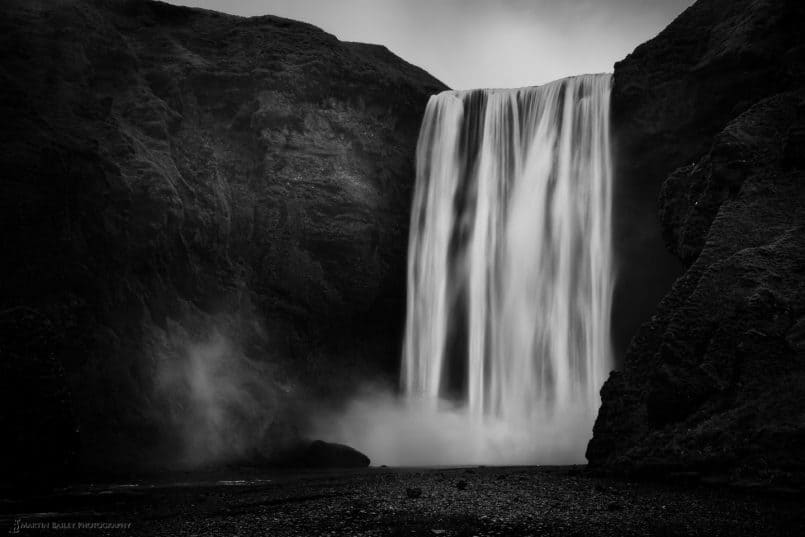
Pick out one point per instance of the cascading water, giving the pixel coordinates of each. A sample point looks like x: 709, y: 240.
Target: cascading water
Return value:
x: 509, y: 284
x: 510, y: 265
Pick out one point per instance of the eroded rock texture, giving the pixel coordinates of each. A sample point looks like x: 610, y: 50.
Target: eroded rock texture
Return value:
x: 172, y: 175
x: 715, y: 381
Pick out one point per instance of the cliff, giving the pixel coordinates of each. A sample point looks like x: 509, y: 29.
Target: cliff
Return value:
x: 187, y: 189
x: 709, y: 118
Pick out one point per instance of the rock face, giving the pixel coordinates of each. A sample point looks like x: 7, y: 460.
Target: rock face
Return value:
x: 167, y: 170
x: 714, y: 109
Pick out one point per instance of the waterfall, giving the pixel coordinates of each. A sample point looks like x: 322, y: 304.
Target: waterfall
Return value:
x: 510, y: 259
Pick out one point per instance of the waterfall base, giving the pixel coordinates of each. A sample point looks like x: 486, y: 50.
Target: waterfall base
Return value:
x: 414, y: 432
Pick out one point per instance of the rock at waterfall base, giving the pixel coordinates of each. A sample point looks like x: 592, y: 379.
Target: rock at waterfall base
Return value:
x: 320, y: 454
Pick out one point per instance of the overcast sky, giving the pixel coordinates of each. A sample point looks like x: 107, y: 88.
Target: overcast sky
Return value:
x: 483, y: 43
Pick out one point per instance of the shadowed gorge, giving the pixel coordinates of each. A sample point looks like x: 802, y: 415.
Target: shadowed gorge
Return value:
x: 260, y: 281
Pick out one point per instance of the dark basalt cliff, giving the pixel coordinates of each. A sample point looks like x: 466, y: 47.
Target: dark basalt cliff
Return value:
x: 710, y: 117
x: 175, y: 179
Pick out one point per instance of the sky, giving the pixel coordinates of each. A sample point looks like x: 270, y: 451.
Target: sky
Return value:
x: 482, y: 43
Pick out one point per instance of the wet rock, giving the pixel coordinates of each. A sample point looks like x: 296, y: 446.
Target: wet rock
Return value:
x: 320, y: 454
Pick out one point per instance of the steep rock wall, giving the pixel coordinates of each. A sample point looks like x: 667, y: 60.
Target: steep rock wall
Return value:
x: 170, y: 175
x: 713, y: 110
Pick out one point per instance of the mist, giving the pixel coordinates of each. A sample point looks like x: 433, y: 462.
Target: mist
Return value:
x: 399, y: 431
x: 216, y: 403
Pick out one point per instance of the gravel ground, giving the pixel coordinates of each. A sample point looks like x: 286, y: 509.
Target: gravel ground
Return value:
x: 483, y: 501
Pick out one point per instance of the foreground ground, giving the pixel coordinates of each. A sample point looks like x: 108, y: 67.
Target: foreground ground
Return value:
x: 404, y: 502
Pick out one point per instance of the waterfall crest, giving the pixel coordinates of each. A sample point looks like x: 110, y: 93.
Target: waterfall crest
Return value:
x: 510, y: 259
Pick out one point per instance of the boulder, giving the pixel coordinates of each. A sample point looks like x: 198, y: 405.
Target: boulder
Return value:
x: 320, y: 454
